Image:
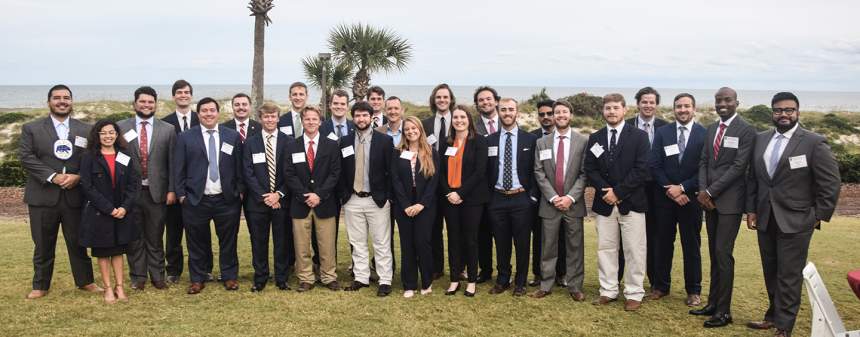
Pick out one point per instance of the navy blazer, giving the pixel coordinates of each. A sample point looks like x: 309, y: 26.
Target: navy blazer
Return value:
x: 252, y: 128
x: 379, y: 170
x: 287, y: 120
x: 327, y: 127
x: 192, y: 164
x: 666, y: 170
x: 525, y: 160
x: 323, y: 180
x: 627, y: 173
x: 401, y: 177
x: 256, y: 175
x: 173, y: 120
x: 98, y: 228
x: 473, y: 183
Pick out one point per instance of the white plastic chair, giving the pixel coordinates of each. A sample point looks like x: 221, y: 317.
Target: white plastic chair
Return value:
x: 825, y: 319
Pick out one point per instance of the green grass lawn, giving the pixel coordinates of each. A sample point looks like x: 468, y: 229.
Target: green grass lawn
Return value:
x: 216, y: 312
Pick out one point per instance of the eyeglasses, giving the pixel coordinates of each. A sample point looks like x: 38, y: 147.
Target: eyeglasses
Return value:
x: 542, y: 114
x: 784, y: 111
x: 107, y: 133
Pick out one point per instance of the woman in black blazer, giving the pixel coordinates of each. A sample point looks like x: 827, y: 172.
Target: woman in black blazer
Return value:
x: 110, y: 180
x: 463, y: 182
x: 415, y: 179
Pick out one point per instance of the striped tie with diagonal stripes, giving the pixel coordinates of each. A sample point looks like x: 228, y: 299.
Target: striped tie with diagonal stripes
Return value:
x: 270, y: 162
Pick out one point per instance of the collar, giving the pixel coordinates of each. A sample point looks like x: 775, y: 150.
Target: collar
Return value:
x: 729, y: 121
x: 335, y: 121
x: 315, y: 138
x: 494, y: 119
x: 137, y: 120
x: 788, y: 133
x: 267, y: 134
x: 566, y: 134
x: 544, y: 130
x: 447, y: 114
x: 399, y: 126
x: 247, y: 122
x: 642, y: 121
x: 689, y: 125
x: 618, y: 127
x: 513, y: 131
x: 57, y: 123
x: 179, y: 115
x: 205, y: 131
x: 366, y: 133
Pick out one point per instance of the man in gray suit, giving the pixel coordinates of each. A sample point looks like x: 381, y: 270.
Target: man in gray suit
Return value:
x: 50, y: 150
x: 151, y: 141
x: 560, y: 175
x: 793, y: 185
x: 722, y: 175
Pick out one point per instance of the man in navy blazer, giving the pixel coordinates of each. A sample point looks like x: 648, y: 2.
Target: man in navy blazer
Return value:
x: 674, y: 165
x: 208, y: 173
x: 338, y: 126
x: 290, y: 123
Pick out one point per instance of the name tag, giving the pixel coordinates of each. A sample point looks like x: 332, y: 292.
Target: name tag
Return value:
x: 287, y: 130
x: 545, y: 154
x: 407, y: 155
x: 431, y: 139
x: 730, y: 142
x: 671, y: 150
x: 451, y: 151
x: 80, y: 141
x: 298, y: 157
x: 597, y: 150
x: 122, y: 158
x: 797, y: 162
x: 332, y: 136
x: 130, y: 135
x: 347, y: 151
x: 227, y: 149
x: 258, y: 158
x: 493, y: 151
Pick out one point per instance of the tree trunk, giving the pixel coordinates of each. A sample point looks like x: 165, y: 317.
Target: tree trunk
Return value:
x: 360, y: 84
x: 257, y: 72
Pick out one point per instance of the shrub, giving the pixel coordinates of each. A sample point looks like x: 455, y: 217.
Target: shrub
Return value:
x: 12, y: 117
x: 849, y: 167
x: 585, y: 104
x: 760, y: 116
x: 12, y: 174
x: 118, y: 116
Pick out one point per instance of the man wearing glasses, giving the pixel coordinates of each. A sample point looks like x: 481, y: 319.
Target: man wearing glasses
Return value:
x: 544, y: 117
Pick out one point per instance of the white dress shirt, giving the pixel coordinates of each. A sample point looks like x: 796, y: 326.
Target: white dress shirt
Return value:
x: 212, y: 187
x: 769, y: 150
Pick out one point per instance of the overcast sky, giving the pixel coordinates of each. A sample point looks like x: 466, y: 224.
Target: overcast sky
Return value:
x: 748, y: 44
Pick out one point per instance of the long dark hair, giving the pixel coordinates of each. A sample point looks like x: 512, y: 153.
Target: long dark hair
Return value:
x: 94, y: 144
x: 472, y: 131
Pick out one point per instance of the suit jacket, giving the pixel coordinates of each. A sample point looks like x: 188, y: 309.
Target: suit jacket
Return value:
x: 36, y: 152
x: 538, y: 132
x: 173, y: 120
x: 379, y: 171
x: 287, y: 120
x: 192, y: 165
x: 256, y: 175
x: 159, y: 163
x: 382, y: 122
x: 574, y: 178
x: 482, y: 129
x: 658, y: 123
x: 725, y: 177
x: 473, y: 182
x: 627, y: 173
x: 401, y: 181
x: 525, y: 160
x: 666, y: 169
x: 98, y: 228
x: 327, y: 128
x: 253, y: 127
x: 429, y: 125
x: 323, y: 180
x: 800, y: 196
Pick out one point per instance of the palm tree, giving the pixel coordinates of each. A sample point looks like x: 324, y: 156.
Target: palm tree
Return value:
x: 337, y: 74
x: 260, y: 11
x: 368, y: 50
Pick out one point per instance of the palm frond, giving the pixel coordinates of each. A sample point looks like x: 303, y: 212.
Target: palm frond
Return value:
x: 261, y: 8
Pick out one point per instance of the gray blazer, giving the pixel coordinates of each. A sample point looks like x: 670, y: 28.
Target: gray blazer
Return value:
x: 574, y: 179
x: 725, y: 177
x: 36, y: 151
x: 799, y: 196
x: 160, y: 159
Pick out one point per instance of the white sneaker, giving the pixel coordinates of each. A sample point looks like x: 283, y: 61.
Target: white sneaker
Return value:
x: 408, y: 294
x: 427, y: 291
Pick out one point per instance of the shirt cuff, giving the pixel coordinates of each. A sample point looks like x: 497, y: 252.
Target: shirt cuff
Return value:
x: 572, y: 200
x: 682, y: 188
x: 709, y: 193
x: 51, y: 178
x: 553, y: 198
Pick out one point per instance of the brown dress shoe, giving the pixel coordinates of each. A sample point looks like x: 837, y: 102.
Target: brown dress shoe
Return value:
x: 304, y: 286
x: 656, y: 294
x: 760, y: 325
x: 231, y: 285
x: 577, y: 296
x: 92, y: 287
x: 195, y: 288
x: 632, y: 305
x: 693, y: 300
x: 498, y: 289
x: 34, y: 294
x: 139, y: 285
x: 603, y: 300
x: 539, y: 294
x: 160, y: 285
x: 333, y: 286
x: 780, y: 333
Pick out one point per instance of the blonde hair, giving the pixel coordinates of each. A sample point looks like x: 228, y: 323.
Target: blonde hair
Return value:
x: 268, y: 108
x: 425, y: 153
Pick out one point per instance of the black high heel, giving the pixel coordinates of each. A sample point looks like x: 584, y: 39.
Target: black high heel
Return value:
x: 452, y: 292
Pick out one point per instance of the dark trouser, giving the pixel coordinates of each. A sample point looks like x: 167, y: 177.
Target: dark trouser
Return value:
x: 198, y: 236
x: 281, y: 225
x: 436, y: 241
x: 462, y: 222
x: 783, y: 257
x: 485, y: 245
x: 688, y: 219
x: 722, y: 232
x: 44, y: 227
x: 415, y: 251
x: 174, y: 229
x: 511, y: 216
x: 537, y: 248
x: 146, y: 255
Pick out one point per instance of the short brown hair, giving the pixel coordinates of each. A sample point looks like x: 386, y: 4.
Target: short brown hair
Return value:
x: 268, y: 108
x: 614, y: 98
x: 298, y: 84
x: 563, y: 103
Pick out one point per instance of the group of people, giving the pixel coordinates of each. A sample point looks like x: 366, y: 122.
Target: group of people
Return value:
x: 117, y: 187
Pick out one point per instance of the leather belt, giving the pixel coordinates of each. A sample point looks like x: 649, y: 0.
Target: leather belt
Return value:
x: 511, y: 192
x: 361, y: 194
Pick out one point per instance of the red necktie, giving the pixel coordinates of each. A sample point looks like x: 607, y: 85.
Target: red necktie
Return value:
x: 559, y: 167
x: 242, y: 131
x: 491, y: 127
x: 718, y: 140
x: 144, y: 149
x: 311, y: 155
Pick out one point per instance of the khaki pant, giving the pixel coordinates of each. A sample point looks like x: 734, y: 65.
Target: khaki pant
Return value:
x: 612, y: 230
x: 326, y: 231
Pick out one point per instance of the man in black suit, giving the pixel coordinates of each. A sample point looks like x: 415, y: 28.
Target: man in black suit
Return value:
x: 376, y: 98
x: 487, y: 102
x: 547, y: 126
x: 617, y: 165
x: 267, y: 198
x: 50, y: 152
x: 510, y: 173
x: 208, y: 172
x: 241, y: 121
x: 437, y: 128
x: 338, y: 126
x: 290, y: 123
x: 793, y: 185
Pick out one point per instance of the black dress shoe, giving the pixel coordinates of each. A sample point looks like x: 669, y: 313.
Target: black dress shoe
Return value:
x: 519, y: 291
x: 384, y: 290
x: 355, y: 286
x: 483, y: 278
x: 258, y: 287
x: 708, y: 310
x: 283, y: 286
x: 499, y: 288
x: 718, y: 320
x: 534, y: 283
x: 452, y: 292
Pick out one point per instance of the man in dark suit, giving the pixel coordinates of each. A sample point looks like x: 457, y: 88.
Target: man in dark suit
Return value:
x: 437, y: 128
x: 674, y: 165
x: 617, y: 165
x: 722, y: 192
x: 208, y: 172
x: 241, y: 121
x: 487, y: 101
x: 267, y: 198
x: 793, y: 185
x: 510, y: 172
x: 376, y: 98
x: 151, y: 142
x: 338, y: 126
x: 50, y: 150
x: 312, y: 172
x: 290, y: 123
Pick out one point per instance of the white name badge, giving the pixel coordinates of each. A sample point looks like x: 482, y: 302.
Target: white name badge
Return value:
x: 493, y: 151
x: 730, y: 142
x: 227, y: 149
x: 80, y: 141
x: 347, y: 151
x: 122, y: 158
x: 130, y: 135
x: 298, y: 157
x: 431, y: 139
x: 407, y: 155
x: 63, y: 149
x: 287, y: 130
x: 451, y: 151
x: 545, y: 154
x: 671, y: 150
x: 258, y: 158
x: 597, y: 150
x: 332, y: 136
x: 797, y: 162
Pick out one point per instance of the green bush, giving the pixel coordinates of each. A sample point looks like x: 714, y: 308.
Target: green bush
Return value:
x: 849, y: 167
x: 585, y: 104
x: 12, y: 174
x: 760, y: 116
x: 12, y: 117
x: 118, y: 116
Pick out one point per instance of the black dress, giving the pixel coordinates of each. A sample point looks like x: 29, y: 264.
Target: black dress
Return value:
x: 103, y: 191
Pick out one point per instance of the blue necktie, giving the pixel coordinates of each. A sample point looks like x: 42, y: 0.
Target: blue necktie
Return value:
x: 774, y: 155
x: 213, y: 156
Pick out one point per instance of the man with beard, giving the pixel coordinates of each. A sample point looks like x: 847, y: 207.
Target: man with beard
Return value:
x: 376, y: 98
x: 50, y: 153
x: 487, y: 102
x: 291, y: 122
x: 151, y: 141
x: 793, y: 186
x: 242, y: 122
x: 722, y: 192
x: 437, y: 128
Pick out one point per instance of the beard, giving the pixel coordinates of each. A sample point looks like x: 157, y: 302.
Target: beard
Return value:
x: 142, y: 114
x: 61, y: 114
x: 783, y: 128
